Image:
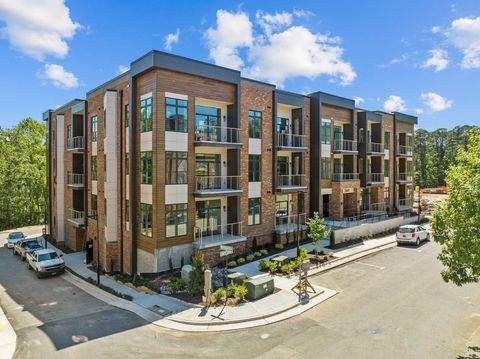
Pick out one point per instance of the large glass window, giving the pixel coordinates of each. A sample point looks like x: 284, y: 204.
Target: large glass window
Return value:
x: 254, y: 168
x: 325, y: 171
x: 94, y: 128
x: 360, y: 135
x: 325, y: 132
x: 208, y: 216
x: 207, y: 170
x: 175, y: 167
x: 146, y: 167
x: 176, y: 115
x: 386, y: 140
x: 281, y: 206
x: 146, y: 115
x: 146, y: 219
x: 386, y: 168
x: 127, y: 115
x: 254, y: 124
x: 127, y: 163
x: 254, y: 211
x: 176, y: 220
x: 94, y: 206
x: 127, y: 210
x: 207, y: 123
x: 94, y: 168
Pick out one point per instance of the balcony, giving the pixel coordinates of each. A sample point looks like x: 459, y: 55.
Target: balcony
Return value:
x: 211, y: 186
x: 405, y: 151
x: 75, y: 180
x: 291, y: 142
x: 217, y: 136
x: 404, y: 177
x: 76, y: 218
x: 347, y: 146
x: 216, y: 235
x: 375, y: 207
x: 75, y: 144
x: 338, y: 177
x: 292, y: 223
x: 375, y: 148
x: 405, y: 204
x: 291, y: 183
x: 375, y: 178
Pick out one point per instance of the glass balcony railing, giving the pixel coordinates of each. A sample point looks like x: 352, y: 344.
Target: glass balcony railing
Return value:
x: 345, y: 146
x: 217, y: 134
x: 291, y: 140
x: 345, y: 176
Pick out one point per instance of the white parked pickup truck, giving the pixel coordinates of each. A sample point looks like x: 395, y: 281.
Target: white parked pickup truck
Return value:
x: 46, y: 262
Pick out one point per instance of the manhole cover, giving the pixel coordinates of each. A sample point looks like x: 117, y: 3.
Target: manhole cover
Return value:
x: 375, y: 331
x: 79, y: 338
x: 159, y: 310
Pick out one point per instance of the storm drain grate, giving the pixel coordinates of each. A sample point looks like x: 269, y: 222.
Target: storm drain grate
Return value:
x: 159, y: 310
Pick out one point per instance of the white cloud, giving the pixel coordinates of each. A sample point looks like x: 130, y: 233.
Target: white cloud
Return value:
x: 277, y: 50
x: 438, y: 60
x: 303, y: 13
x: 233, y: 31
x: 171, y: 39
x: 394, y: 103
x: 396, y: 60
x: 435, y: 29
x: 358, y: 100
x: 58, y: 76
x: 435, y: 102
x: 38, y: 27
x: 464, y: 34
x: 419, y: 111
x: 122, y: 69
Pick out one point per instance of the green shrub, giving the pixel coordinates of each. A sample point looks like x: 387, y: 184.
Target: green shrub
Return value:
x: 241, y: 261
x: 237, y: 290
x: 219, y: 295
x: 176, y: 284
x: 303, y: 253
x: 262, y: 264
x: 315, y: 252
x: 322, y: 252
x: 250, y: 257
x: 279, y: 246
x: 231, y: 264
x: 272, y: 266
x: 257, y: 254
x: 263, y: 252
x: 285, y: 268
x: 197, y: 276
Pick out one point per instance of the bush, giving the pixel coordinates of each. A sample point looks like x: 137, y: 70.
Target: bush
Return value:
x: 176, y: 284
x: 250, y: 257
x: 262, y: 264
x: 263, y: 252
x: 279, y: 246
x: 272, y: 266
x: 241, y: 261
x: 219, y: 295
x: 257, y: 254
x: 238, y: 291
x: 315, y: 252
x: 197, y: 276
x: 231, y: 264
x: 285, y: 268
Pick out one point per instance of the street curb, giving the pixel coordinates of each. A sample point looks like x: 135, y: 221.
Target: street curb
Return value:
x: 8, y: 337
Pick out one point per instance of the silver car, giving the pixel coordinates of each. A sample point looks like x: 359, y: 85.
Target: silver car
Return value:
x: 13, y: 238
x: 412, y: 234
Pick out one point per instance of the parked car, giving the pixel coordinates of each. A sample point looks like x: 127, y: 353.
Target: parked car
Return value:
x: 26, y: 246
x: 412, y: 233
x: 46, y: 262
x: 13, y: 238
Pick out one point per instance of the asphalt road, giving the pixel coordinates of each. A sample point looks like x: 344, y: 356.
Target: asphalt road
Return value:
x: 391, y: 305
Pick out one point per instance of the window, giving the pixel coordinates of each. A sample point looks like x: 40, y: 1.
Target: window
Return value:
x: 175, y: 167
x: 386, y: 195
x: 94, y: 206
x: 360, y: 165
x: 325, y: 132
x: 325, y: 169
x: 146, y: 167
x: 146, y: 219
x: 254, y: 211
x: 176, y: 220
x: 94, y: 168
x: 104, y: 123
x: 409, y: 140
x: 360, y: 135
x: 254, y: 168
x: 386, y: 140
x: 127, y: 115
x: 176, y: 115
x: 94, y: 128
x: 127, y: 210
x: 386, y: 168
x: 105, y: 168
x: 105, y: 211
x: 254, y: 124
x: 301, y: 203
x: 127, y: 163
x: 146, y: 115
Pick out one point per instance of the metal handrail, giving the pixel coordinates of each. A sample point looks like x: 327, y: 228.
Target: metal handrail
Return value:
x: 377, y: 206
x: 75, y: 179
x: 291, y: 140
x: 344, y: 176
x: 74, y: 214
x: 405, y: 202
x: 345, y: 145
x: 374, y: 147
x: 75, y: 142
x: 291, y: 180
x: 217, y: 134
x: 375, y: 177
x: 405, y: 176
x: 405, y: 150
x: 217, y: 182
x: 220, y: 230
x: 291, y: 219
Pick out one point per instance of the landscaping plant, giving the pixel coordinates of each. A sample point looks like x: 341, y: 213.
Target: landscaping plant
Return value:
x: 176, y: 285
x: 318, y: 229
x: 197, y: 281
x: 231, y: 264
x: 250, y: 257
x: 219, y: 295
x: 272, y: 266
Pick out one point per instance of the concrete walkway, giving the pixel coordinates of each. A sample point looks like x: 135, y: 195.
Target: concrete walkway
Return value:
x: 8, y: 338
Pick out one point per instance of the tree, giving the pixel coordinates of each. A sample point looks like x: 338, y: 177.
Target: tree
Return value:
x: 456, y: 224
x: 318, y: 229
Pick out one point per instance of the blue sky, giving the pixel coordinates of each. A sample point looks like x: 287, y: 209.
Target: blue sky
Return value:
x: 420, y: 57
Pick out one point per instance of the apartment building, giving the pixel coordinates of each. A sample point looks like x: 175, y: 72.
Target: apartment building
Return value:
x: 176, y: 156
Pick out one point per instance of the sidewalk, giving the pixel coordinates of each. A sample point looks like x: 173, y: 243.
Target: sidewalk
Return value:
x: 8, y: 338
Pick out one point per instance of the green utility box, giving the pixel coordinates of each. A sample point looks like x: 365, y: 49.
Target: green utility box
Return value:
x: 259, y: 287
x: 235, y: 278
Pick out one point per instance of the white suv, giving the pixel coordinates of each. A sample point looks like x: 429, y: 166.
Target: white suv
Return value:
x: 412, y: 233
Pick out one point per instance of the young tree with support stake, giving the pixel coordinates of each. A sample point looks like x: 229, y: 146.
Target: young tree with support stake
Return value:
x: 456, y: 223
x: 318, y: 229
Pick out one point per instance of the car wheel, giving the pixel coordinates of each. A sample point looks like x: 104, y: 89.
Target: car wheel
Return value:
x: 29, y: 266
x: 417, y: 242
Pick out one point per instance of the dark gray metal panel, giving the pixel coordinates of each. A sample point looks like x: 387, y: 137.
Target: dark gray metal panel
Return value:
x: 289, y: 98
x: 315, y: 155
x: 61, y: 109
x: 330, y: 99
x: 370, y: 116
x: 182, y: 64
x: 108, y: 82
x: 78, y: 107
x: 258, y: 82
x: 405, y: 118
